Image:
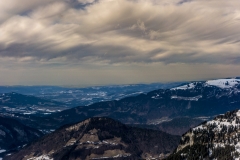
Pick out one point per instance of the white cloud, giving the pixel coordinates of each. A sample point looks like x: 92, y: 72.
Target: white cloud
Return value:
x: 121, y: 31
x: 14, y: 7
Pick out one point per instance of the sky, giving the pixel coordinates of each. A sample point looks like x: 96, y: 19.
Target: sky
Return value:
x: 100, y: 42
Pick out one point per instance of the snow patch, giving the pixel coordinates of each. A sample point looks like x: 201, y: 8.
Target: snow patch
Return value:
x: 117, y: 156
x: 238, y: 113
x: 196, y: 98
x: 42, y: 157
x: 184, y: 87
x: 2, y: 150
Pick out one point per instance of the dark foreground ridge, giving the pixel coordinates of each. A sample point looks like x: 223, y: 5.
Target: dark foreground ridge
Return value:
x: 98, y: 138
x: 14, y: 134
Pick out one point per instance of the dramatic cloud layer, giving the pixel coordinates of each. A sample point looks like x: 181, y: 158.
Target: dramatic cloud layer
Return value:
x: 120, y: 32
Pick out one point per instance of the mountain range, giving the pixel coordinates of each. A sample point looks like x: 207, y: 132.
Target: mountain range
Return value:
x: 172, y: 110
x: 73, y: 96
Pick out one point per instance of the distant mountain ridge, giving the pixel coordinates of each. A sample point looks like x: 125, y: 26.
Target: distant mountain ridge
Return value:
x: 81, y: 96
x: 196, y: 102
x: 99, y: 138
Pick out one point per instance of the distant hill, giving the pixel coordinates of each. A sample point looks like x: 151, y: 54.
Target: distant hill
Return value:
x: 15, y: 103
x: 99, y: 138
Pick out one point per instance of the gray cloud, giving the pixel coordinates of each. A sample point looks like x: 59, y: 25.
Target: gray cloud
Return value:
x: 122, y: 31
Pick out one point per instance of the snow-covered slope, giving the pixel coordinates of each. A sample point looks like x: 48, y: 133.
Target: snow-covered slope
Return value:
x: 217, y: 138
x: 187, y: 86
x: 223, y: 83
x: 220, y: 83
